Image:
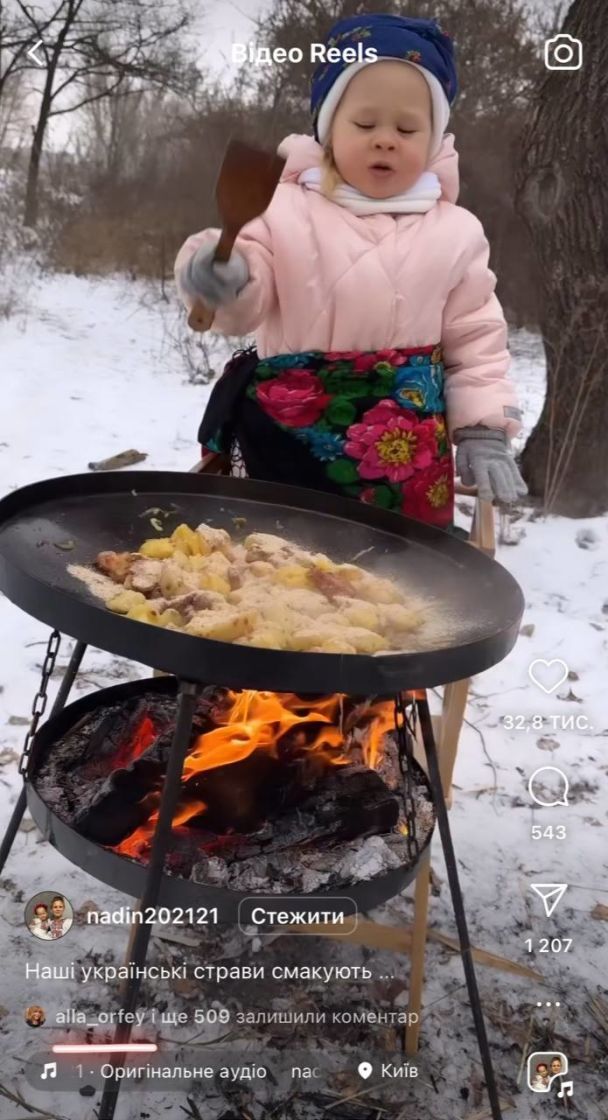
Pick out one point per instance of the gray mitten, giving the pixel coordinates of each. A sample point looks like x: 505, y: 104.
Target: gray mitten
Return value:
x: 483, y: 460
x: 214, y: 282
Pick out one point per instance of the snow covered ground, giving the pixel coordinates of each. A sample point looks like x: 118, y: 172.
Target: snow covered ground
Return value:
x: 86, y: 373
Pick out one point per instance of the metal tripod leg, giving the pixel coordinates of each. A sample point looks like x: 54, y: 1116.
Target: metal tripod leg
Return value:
x: 169, y: 798
x: 434, y: 774
x: 60, y: 699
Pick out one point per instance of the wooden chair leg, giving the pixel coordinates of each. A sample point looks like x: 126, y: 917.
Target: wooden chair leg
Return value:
x: 452, y: 716
x: 419, y: 935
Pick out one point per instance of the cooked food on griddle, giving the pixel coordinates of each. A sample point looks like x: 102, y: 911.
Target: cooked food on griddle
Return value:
x: 264, y: 591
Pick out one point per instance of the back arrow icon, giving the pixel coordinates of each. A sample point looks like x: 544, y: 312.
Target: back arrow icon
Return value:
x: 32, y: 53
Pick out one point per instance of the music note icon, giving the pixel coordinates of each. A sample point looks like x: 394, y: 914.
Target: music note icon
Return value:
x: 567, y: 1089
x: 50, y: 1070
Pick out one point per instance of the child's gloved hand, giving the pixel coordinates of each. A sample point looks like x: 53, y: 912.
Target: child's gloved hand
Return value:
x: 214, y: 282
x: 483, y: 460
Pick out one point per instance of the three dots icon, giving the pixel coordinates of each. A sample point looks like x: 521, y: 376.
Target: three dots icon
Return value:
x: 548, y: 1003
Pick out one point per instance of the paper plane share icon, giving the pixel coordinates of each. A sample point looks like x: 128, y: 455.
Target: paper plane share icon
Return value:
x: 550, y: 894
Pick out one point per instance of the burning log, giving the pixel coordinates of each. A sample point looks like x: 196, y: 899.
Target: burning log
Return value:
x: 351, y: 802
x: 105, y: 745
x: 129, y: 748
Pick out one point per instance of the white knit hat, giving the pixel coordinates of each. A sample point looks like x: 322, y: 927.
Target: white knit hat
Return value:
x: 440, y: 103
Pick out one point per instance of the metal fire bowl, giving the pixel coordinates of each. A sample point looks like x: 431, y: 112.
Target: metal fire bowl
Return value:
x: 127, y: 875
x: 479, y: 603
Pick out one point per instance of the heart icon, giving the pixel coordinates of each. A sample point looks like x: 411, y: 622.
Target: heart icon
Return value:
x: 548, y: 675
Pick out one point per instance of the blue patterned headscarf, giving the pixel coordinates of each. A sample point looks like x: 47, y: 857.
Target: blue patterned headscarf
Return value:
x: 419, y: 41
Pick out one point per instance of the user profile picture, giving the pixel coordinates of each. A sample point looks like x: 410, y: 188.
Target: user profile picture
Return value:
x: 34, y: 1015
x: 49, y: 915
x: 543, y: 1069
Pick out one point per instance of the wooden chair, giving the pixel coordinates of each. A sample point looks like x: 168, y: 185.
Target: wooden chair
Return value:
x: 447, y: 725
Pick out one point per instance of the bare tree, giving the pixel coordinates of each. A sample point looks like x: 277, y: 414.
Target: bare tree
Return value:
x: 111, y: 40
x: 563, y: 198
x: 112, y: 129
x: 496, y: 55
x: 17, y: 36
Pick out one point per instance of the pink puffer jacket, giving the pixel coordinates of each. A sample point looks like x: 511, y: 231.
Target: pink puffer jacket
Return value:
x: 323, y: 278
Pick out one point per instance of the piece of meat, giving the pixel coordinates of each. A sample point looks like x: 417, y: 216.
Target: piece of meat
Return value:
x: 329, y: 584
x: 116, y: 565
x: 195, y: 601
x: 235, y: 578
x: 143, y: 575
x: 268, y: 547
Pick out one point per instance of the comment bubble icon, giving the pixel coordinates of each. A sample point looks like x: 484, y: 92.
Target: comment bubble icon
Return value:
x: 548, y: 787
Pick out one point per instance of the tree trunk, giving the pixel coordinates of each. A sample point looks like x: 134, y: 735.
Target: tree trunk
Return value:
x: 562, y: 195
x: 30, y: 216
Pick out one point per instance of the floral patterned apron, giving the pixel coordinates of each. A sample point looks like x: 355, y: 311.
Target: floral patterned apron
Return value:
x: 367, y: 424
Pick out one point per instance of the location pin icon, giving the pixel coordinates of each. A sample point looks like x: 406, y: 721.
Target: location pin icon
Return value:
x: 365, y: 1070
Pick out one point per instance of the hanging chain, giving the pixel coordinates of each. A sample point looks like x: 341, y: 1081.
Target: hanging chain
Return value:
x: 40, y: 699
x: 405, y: 727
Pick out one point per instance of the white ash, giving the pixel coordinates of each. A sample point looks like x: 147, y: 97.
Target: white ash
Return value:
x: 303, y: 870
x: 371, y: 859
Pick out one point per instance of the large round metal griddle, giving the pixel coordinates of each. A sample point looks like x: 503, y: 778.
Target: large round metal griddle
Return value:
x: 476, y: 606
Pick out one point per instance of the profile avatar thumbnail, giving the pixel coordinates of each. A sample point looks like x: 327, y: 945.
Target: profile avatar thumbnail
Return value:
x: 544, y: 1067
x: 35, y: 1016
x: 49, y: 916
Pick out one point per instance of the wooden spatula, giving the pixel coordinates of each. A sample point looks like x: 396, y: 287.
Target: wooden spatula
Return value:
x: 245, y: 185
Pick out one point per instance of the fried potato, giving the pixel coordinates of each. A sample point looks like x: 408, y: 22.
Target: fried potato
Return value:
x: 223, y: 626
x: 323, y: 563
x: 265, y: 637
x: 188, y: 541
x: 334, y: 645
x: 305, y: 601
x: 378, y: 590
x: 358, y: 612
x: 394, y: 616
x: 307, y: 638
x: 143, y: 612
x: 218, y: 563
x: 171, y: 618
x: 364, y: 641
x: 209, y: 581
x: 176, y: 580
x: 158, y: 548
x: 215, y: 540
x: 291, y: 575
x: 260, y: 568
x: 125, y: 600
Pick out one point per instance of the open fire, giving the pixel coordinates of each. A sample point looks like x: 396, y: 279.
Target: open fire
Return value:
x: 272, y: 785
x: 276, y: 732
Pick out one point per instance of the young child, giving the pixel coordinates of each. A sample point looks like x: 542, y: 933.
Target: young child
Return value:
x: 540, y: 1082
x: 379, y: 338
x: 40, y: 925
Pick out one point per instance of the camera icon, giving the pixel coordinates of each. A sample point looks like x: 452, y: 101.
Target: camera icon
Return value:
x: 563, y: 52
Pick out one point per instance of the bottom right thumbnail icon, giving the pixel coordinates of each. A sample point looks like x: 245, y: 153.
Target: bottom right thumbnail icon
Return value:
x: 546, y: 1068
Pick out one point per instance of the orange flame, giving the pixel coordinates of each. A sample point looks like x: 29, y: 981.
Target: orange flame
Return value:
x: 257, y: 720
x: 252, y: 720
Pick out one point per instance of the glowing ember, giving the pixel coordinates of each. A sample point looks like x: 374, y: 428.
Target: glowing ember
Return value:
x: 143, y: 738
